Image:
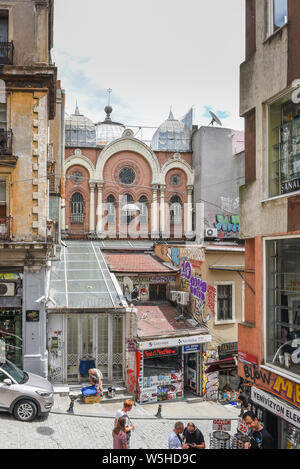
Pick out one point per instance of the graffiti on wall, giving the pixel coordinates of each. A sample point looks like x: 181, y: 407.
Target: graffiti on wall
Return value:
x: 210, y: 381
x: 211, y: 298
x: 282, y: 387
x: 228, y: 224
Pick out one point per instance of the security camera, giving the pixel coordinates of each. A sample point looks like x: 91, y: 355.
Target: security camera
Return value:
x: 52, y: 301
x: 41, y: 299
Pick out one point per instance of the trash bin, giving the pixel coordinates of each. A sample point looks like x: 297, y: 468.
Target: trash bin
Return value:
x: 111, y: 392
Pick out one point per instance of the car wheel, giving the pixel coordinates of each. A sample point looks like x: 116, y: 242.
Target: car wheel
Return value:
x: 25, y: 411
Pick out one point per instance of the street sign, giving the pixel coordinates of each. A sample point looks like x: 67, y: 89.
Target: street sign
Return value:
x: 191, y: 348
x: 222, y: 425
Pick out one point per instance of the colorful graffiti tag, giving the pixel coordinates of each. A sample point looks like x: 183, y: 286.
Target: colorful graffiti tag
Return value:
x: 211, y: 298
x: 228, y: 224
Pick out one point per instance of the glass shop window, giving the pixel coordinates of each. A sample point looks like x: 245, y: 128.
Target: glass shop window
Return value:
x: 284, y: 147
x: 283, y: 303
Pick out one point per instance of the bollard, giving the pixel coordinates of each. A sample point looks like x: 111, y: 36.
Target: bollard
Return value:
x: 71, y: 407
x: 158, y: 414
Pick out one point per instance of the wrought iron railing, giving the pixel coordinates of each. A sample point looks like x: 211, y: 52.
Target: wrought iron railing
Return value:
x: 5, y: 142
x: 6, y: 53
x: 5, y: 228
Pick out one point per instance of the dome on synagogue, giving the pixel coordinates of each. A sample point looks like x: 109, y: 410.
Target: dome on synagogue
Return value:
x: 172, y: 135
x: 108, y: 131
x: 79, y: 130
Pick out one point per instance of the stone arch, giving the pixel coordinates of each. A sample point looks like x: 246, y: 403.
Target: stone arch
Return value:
x: 128, y: 144
x: 177, y: 164
x: 79, y: 159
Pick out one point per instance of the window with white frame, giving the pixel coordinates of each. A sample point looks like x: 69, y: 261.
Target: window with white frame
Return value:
x: 277, y: 14
x: 282, y: 315
x: 225, y: 305
x: 284, y: 145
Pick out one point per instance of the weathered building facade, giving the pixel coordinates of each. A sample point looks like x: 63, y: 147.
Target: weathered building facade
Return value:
x: 269, y: 336
x: 28, y: 103
x: 219, y: 165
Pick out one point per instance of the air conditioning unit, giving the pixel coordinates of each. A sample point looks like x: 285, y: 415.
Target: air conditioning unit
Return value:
x: 7, y: 289
x: 183, y: 297
x: 211, y: 233
x: 173, y: 295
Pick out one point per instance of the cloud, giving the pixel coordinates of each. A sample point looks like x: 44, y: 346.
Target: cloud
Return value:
x: 221, y: 114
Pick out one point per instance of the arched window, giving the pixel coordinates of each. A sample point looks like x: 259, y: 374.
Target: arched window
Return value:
x: 111, y: 209
x: 77, y: 208
x: 126, y: 215
x: 175, y: 210
x: 143, y: 206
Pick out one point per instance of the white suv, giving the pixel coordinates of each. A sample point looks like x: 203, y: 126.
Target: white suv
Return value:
x: 23, y: 394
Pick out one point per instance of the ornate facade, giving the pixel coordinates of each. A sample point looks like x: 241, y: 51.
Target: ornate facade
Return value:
x: 119, y: 187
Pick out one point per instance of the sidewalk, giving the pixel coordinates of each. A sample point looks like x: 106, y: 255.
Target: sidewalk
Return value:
x: 173, y: 410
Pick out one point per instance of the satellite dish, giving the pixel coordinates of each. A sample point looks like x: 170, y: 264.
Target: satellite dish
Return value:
x: 214, y: 119
x: 128, y: 285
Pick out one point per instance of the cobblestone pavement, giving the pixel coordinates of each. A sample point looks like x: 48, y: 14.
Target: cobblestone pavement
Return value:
x: 93, y: 431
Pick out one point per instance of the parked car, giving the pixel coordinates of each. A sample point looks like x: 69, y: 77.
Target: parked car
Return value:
x: 22, y: 394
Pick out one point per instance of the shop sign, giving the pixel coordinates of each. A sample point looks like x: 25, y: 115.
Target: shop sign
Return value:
x: 32, y: 316
x: 290, y: 186
x: 164, y: 352
x: 175, y: 342
x: 222, y: 425
x: 191, y: 348
x: 229, y: 347
x: 162, y: 279
x: 247, y: 358
x: 242, y: 427
x: 276, y: 406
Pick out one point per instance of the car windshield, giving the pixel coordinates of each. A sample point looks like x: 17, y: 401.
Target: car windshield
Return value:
x: 18, y: 375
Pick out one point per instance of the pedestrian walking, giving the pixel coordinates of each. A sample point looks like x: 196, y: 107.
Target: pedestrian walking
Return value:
x: 119, y: 435
x: 193, y: 436
x: 175, y: 440
x: 127, y: 406
x: 260, y: 438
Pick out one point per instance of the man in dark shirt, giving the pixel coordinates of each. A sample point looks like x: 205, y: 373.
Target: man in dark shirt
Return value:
x: 260, y: 438
x: 193, y: 436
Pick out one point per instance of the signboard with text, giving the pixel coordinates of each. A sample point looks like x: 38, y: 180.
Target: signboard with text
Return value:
x: 222, y: 425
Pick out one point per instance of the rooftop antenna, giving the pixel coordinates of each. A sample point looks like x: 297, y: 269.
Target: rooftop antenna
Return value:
x: 109, y: 93
x: 214, y: 119
x: 108, y: 108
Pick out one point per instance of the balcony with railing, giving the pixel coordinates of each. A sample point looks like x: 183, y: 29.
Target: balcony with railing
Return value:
x: 5, y: 228
x: 6, y: 53
x: 6, y: 152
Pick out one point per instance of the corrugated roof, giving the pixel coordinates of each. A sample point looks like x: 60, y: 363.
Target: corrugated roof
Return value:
x: 81, y: 279
x: 136, y: 263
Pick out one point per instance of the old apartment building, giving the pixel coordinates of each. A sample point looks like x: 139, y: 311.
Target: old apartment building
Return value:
x: 269, y: 336
x: 28, y: 104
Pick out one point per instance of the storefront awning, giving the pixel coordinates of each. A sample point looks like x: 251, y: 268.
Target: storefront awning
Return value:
x: 222, y: 365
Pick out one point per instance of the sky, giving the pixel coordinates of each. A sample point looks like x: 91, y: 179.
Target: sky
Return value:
x: 154, y: 55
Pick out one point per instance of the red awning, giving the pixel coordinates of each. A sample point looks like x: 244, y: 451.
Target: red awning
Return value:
x: 222, y: 365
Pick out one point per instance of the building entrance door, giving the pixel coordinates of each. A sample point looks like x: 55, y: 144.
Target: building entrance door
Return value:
x: 191, y: 372
x: 157, y: 292
x: 76, y: 337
